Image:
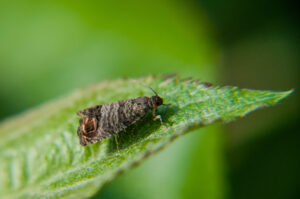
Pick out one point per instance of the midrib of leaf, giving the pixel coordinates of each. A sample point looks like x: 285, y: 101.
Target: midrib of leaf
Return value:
x: 71, y: 166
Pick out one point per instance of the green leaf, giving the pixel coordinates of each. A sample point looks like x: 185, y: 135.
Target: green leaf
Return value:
x: 40, y: 154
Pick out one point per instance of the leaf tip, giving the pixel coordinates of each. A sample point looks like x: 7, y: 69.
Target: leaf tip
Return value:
x: 285, y: 94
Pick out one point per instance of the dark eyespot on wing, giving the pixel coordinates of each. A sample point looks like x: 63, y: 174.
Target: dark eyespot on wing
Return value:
x: 88, y: 139
x: 82, y: 139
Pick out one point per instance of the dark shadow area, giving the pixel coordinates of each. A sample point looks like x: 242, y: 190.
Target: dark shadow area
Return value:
x: 236, y: 19
x: 268, y: 167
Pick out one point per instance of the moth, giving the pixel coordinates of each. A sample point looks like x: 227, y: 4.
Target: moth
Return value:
x: 102, y: 121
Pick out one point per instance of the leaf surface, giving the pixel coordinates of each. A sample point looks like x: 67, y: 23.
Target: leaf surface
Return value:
x: 40, y: 154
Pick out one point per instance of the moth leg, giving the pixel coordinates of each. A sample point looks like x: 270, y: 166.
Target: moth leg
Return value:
x: 153, y: 112
x: 159, y: 118
x: 155, y: 117
x: 116, y: 140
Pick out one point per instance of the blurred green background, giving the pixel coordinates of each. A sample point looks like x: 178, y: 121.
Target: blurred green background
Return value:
x: 49, y: 48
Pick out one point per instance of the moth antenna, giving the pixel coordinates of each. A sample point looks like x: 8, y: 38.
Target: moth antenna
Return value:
x: 145, y: 86
x: 153, y: 90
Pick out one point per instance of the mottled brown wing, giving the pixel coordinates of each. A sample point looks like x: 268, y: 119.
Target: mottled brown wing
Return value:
x: 112, y: 118
x: 117, y: 116
x: 94, y: 111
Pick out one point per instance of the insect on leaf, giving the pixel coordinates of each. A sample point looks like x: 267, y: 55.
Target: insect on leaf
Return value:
x: 40, y: 154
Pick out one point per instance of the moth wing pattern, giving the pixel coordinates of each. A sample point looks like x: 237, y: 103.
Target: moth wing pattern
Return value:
x: 117, y: 116
x: 91, y: 112
x: 84, y: 139
x: 111, y: 118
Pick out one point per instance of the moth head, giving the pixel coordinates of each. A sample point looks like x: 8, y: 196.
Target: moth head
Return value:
x: 89, y: 125
x: 156, y: 101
